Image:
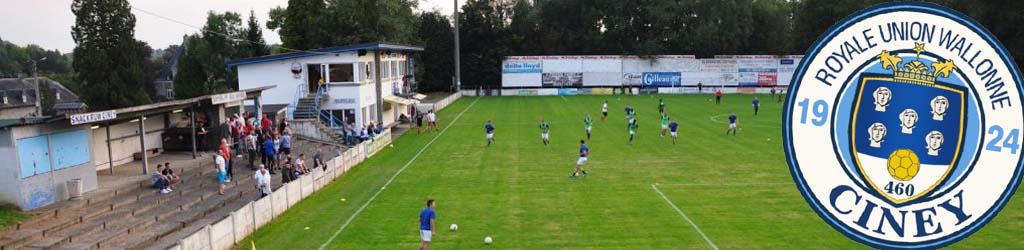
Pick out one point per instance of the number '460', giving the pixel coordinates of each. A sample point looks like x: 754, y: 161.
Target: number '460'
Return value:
x: 998, y: 141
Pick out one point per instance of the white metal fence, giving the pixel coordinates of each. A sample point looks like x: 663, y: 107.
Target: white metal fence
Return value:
x: 228, y: 231
x: 441, y: 104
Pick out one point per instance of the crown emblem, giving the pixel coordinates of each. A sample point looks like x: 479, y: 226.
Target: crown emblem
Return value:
x: 915, y: 71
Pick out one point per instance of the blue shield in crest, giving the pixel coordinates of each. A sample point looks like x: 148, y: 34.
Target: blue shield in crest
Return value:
x: 907, y: 135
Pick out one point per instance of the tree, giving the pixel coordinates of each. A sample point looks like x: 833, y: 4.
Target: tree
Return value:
x: 300, y: 24
x: 435, y: 74
x: 221, y: 43
x: 201, y: 67
x: 484, y: 22
x: 254, y: 44
x: 192, y: 79
x: 105, y: 61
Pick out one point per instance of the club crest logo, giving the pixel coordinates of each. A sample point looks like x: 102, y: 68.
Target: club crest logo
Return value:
x: 923, y: 111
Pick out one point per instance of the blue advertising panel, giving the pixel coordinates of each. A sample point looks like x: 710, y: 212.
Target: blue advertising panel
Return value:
x: 33, y: 154
x: 662, y: 79
x: 70, y: 148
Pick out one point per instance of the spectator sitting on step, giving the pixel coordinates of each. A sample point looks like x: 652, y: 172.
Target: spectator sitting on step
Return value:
x: 262, y: 178
x: 300, y: 164
x: 160, y: 181
x: 363, y: 135
x: 318, y: 161
x: 169, y: 173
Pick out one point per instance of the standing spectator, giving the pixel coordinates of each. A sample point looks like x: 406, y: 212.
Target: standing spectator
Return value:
x: 286, y: 171
x: 283, y: 127
x: 225, y: 151
x: 419, y: 122
x: 222, y: 174
x: 431, y: 121
x: 265, y: 123
x: 251, y: 146
x: 277, y: 149
x: 201, y: 135
x: 286, y: 144
x: 262, y: 178
x: 269, y: 154
x: 169, y: 173
x: 700, y: 87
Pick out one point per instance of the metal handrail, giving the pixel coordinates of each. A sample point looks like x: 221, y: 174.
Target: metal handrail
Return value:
x: 332, y: 122
x: 290, y: 111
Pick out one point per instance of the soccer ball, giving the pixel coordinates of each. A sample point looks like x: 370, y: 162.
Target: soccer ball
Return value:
x: 454, y: 227
x: 488, y: 240
x: 903, y: 164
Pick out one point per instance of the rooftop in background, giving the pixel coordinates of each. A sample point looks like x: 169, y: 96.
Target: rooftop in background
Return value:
x: 331, y: 50
x: 14, y: 89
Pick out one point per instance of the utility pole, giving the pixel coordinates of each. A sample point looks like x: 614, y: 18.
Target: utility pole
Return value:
x: 35, y: 75
x: 458, y: 73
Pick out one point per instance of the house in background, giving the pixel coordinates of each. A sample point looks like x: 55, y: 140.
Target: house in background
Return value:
x: 18, y: 98
x: 164, y: 84
x: 355, y: 85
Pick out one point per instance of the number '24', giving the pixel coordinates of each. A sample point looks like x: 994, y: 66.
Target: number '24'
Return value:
x: 1010, y: 141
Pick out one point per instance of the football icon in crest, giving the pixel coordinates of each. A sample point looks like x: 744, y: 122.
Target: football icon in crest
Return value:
x: 883, y: 68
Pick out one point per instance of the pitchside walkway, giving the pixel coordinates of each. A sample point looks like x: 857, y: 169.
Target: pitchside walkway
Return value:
x: 126, y: 213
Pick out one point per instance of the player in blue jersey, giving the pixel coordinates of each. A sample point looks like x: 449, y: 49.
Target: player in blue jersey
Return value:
x: 629, y: 112
x: 757, y: 104
x: 490, y: 132
x: 673, y: 128
x: 732, y: 124
x: 584, y: 153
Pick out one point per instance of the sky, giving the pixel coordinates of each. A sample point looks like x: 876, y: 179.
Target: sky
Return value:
x: 47, y: 23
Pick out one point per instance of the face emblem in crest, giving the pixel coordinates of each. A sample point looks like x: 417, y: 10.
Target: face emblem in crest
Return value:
x: 933, y: 180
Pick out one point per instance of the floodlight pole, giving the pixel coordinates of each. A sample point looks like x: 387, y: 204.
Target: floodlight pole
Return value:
x: 458, y: 73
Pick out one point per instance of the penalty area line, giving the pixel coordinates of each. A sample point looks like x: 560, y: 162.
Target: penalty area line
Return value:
x: 680, y: 211
x: 407, y: 164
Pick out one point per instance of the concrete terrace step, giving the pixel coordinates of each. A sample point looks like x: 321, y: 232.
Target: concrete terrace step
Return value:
x: 137, y: 216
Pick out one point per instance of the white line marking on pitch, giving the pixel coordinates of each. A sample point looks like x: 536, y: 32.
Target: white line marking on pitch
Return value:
x: 725, y: 184
x: 563, y: 98
x: 407, y: 164
x: 680, y: 211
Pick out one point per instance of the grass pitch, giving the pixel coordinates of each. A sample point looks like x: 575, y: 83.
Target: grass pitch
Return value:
x: 731, y: 192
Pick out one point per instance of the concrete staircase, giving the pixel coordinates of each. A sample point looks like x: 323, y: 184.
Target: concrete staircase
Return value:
x: 305, y: 108
x: 138, y: 217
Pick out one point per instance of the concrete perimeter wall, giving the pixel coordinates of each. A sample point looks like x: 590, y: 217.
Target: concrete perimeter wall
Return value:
x: 228, y: 231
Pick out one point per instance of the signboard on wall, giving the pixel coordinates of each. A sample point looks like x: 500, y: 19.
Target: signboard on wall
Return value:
x: 631, y: 79
x: 662, y: 79
x: 521, y: 67
x: 227, y: 97
x: 562, y: 79
x: 93, y: 117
